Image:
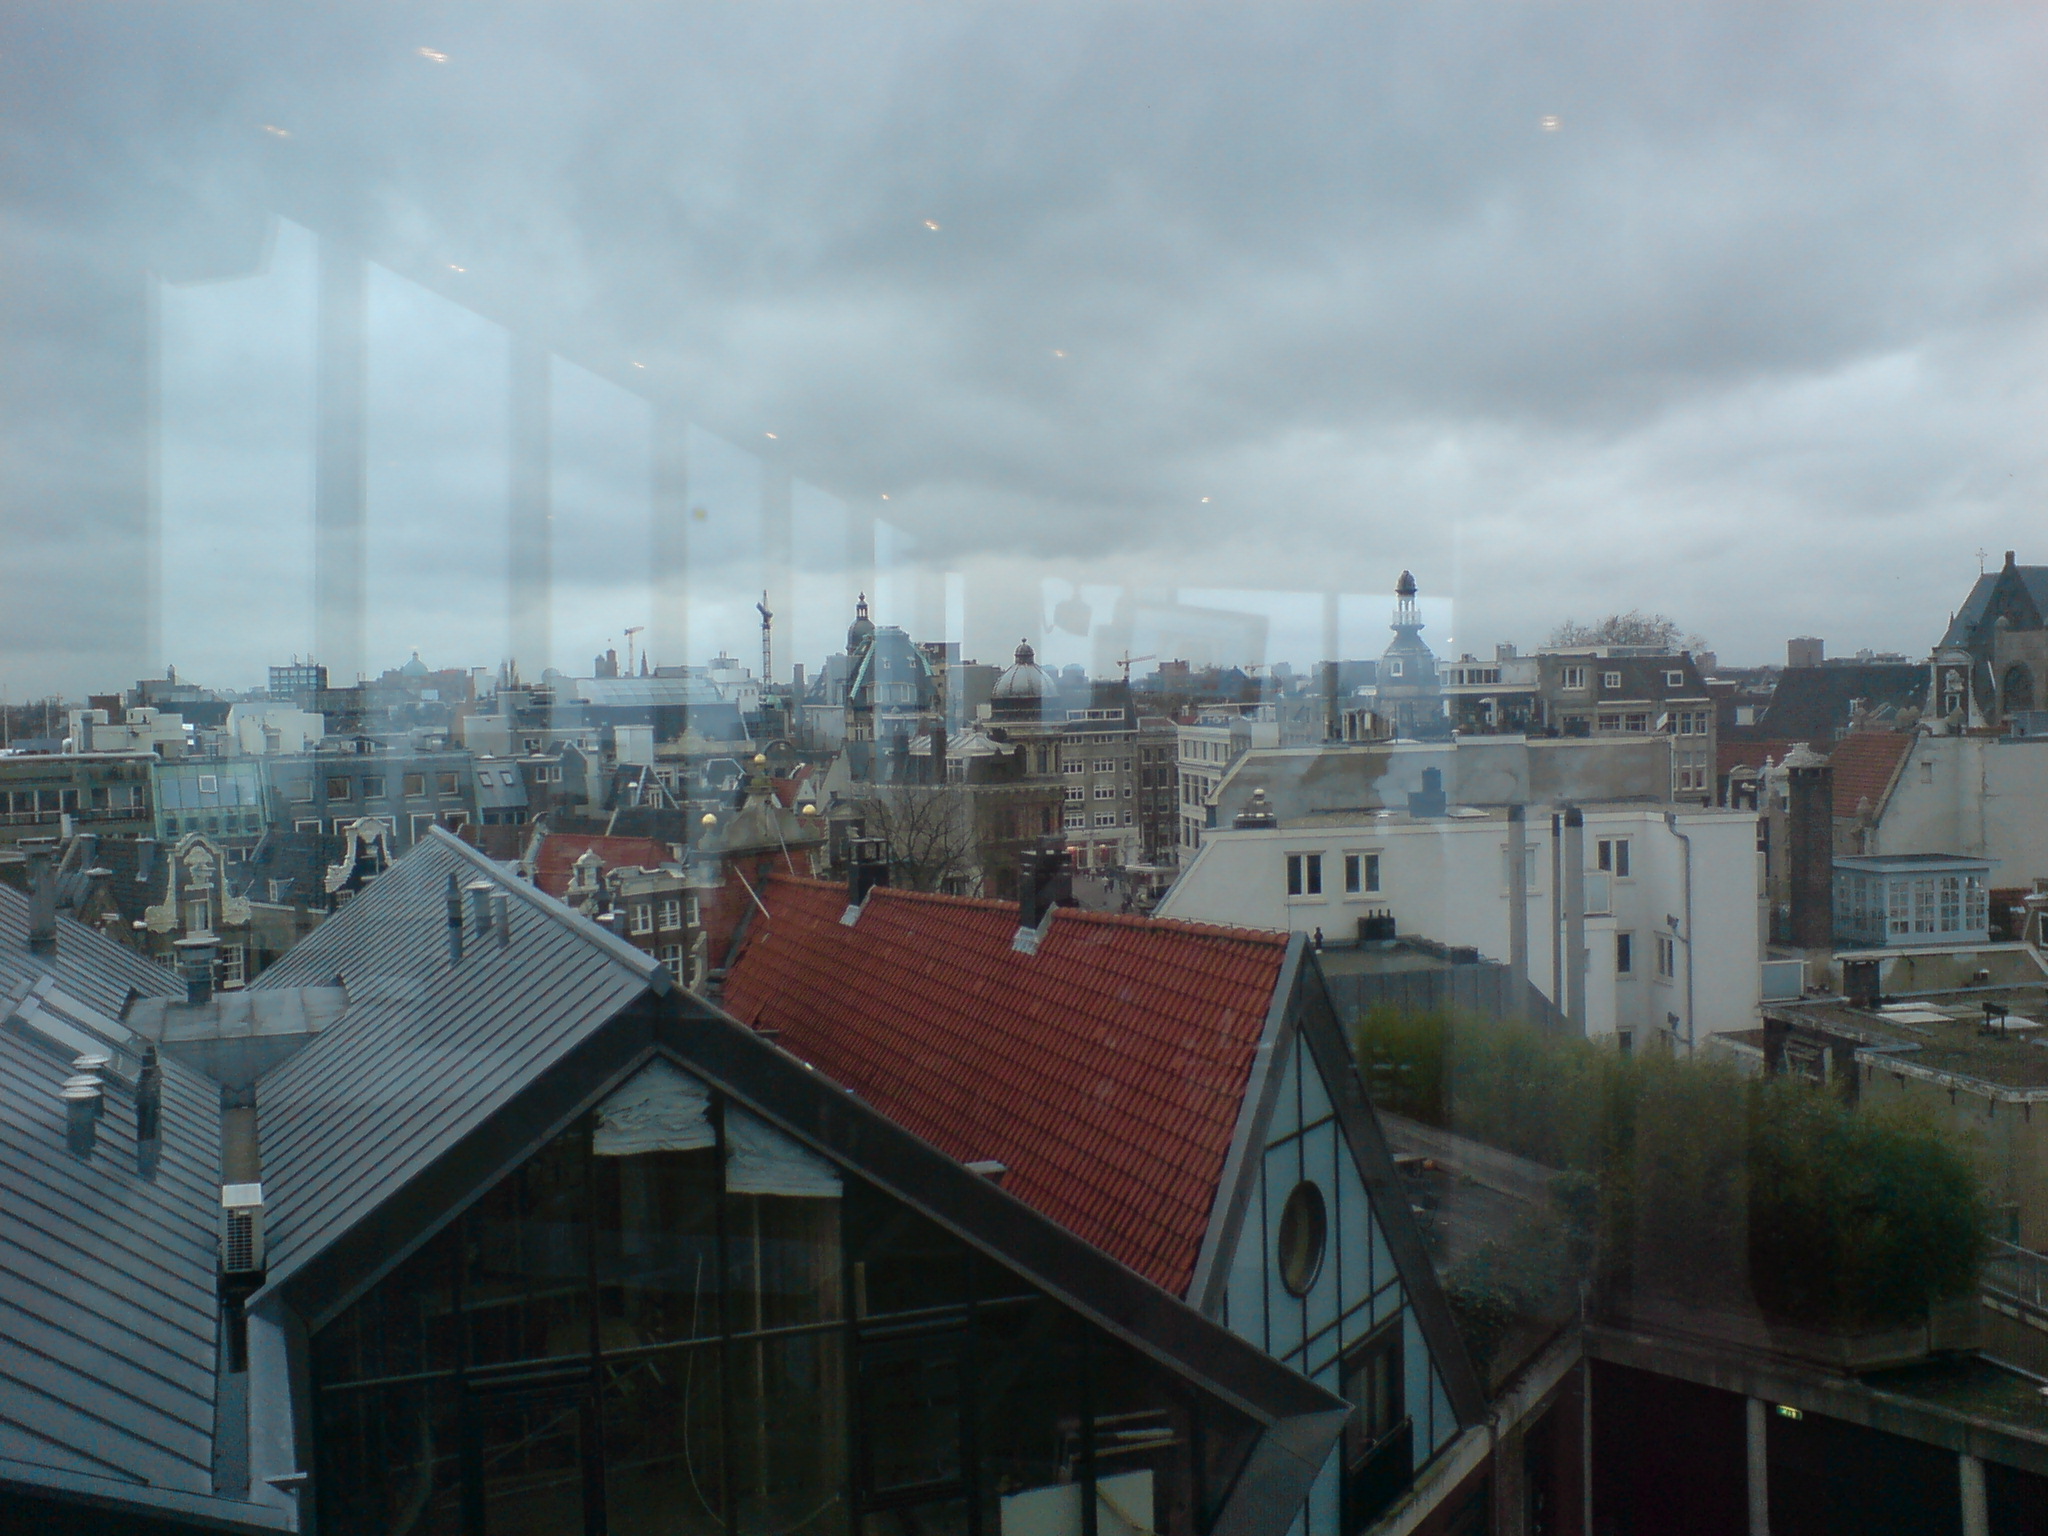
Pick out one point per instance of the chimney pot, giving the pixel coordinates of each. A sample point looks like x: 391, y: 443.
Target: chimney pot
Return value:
x: 195, y: 963
x: 82, y: 1097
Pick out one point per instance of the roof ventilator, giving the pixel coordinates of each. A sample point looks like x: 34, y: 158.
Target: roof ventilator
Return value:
x: 195, y: 963
x: 480, y: 907
x: 454, y: 920
x: 42, y: 897
x: 83, y: 1095
x: 501, y: 917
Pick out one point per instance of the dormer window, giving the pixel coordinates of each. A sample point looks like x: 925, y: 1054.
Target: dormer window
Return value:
x: 1394, y: 667
x: 1610, y: 679
x: 1674, y: 679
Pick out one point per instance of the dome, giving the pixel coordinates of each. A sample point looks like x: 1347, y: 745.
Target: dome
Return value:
x: 1023, y: 680
x: 862, y: 629
x: 414, y: 668
x: 1405, y: 587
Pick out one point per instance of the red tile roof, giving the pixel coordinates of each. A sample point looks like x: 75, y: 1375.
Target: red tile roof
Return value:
x: 1864, y: 762
x: 1105, y: 1072
x: 559, y: 852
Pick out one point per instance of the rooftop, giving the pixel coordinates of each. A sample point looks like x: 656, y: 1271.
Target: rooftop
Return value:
x: 1105, y: 1068
x: 1945, y: 1035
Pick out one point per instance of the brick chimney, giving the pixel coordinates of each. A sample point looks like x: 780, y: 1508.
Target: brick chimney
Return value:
x: 1810, y: 832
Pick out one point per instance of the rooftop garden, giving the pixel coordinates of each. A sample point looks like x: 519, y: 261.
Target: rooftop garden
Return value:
x: 1675, y: 1185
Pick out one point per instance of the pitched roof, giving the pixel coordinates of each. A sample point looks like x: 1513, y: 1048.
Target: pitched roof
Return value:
x: 107, y: 1305
x: 1864, y: 764
x: 1106, y: 1071
x: 559, y: 852
x: 1817, y: 703
x: 1965, y: 628
x: 428, y: 1048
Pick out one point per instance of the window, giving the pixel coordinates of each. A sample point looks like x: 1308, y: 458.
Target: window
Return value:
x: 1072, y: 765
x: 1104, y: 765
x: 1304, y: 1233
x: 1127, y: 791
x: 339, y: 788
x: 1304, y: 874
x: 1105, y: 818
x: 1573, y: 678
x: 415, y: 785
x: 1613, y: 856
x: 234, y: 966
x: 671, y: 955
x: 1105, y: 791
x: 209, y: 784
x: 1376, y: 1449
x: 1610, y: 722
x: 373, y: 786
x: 1075, y: 819
x: 1610, y: 680
x: 1674, y: 679
x: 1076, y: 792
x: 1667, y: 956
x: 302, y: 792
x: 1636, y: 723
x: 1393, y: 666
x: 1128, y: 818
x: 309, y: 824
x: 1361, y: 873
x: 447, y: 784
x: 642, y: 917
x: 671, y: 912
x: 1624, y: 954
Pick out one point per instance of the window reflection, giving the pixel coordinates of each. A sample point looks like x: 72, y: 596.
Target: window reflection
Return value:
x: 674, y: 1319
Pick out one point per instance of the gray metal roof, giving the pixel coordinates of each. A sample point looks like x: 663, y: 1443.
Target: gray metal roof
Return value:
x: 90, y: 966
x: 107, y: 1304
x: 426, y: 1050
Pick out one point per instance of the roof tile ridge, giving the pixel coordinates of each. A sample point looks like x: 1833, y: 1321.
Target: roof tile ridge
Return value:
x: 940, y: 898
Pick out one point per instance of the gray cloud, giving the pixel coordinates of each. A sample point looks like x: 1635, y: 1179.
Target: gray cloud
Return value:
x: 1752, y: 337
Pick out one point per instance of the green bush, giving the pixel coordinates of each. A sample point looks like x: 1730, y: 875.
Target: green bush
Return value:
x: 1697, y: 1182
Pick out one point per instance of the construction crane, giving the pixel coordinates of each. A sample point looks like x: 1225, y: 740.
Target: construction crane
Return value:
x: 1127, y: 661
x: 767, y: 634
x: 631, y: 631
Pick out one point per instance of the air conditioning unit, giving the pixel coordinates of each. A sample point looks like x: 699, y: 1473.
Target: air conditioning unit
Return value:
x: 241, y: 1229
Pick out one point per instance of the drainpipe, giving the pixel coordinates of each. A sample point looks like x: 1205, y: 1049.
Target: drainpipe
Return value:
x: 1518, y: 911
x: 1671, y: 821
x: 1575, y: 917
x: 1557, y: 911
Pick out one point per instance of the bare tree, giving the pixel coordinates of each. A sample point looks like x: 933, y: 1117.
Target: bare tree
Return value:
x: 929, y: 830
x: 1632, y: 628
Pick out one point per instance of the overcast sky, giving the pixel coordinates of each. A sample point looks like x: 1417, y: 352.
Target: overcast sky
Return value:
x: 1154, y: 312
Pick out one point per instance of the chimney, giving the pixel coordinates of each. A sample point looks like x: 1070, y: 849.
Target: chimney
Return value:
x: 82, y: 1096
x: 1810, y: 829
x: 42, y: 897
x: 1257, y: 813
x: 454, y: 920
x: 1430, y: 799
x: 195, y: 964
x: 501, y: 917
x: 1518, y: 911
x: 480, y: 892
x: 867, y: 866
x: 1045, y: 879
x: 1575, y: 917
x: 149, y: 1113
x: 1333, y: 724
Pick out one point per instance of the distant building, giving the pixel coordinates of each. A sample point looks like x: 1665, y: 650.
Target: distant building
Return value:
x: 48, y: 794
x: 1407, y: 693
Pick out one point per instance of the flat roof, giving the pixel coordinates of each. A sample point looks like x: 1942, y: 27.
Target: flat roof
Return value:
x: 1886, y: 863
x: 1943, y: 1035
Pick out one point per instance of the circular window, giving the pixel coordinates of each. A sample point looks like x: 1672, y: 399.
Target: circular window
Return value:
x: 1303, y: 1228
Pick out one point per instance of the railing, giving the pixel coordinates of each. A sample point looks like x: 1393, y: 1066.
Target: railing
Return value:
x: 45, y: 818
x: 2018, y: 1273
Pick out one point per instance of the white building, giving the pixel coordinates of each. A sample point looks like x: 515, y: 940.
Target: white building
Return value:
x: 267, y: 730
x: 1204, y: 753
x: 1976, y: 796
x: 141, y: 729
x: 1673, y: 913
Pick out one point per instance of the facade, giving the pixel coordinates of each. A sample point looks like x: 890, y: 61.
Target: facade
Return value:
x: 414, y: 788
x: 1671, y: 921
x: 1206, y: 749
x: 1499, y: 696
x: 1909, y: 899
x: 1195, y: 1115
x: 43, y: 794
x: 1993, y: 661
x: 634, y: 1268
x: 1610, y: 691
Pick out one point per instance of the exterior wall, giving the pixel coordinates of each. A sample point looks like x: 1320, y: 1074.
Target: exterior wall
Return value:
x: 109, y: 795
x: 1357, y: 1302
x: 2007, y: 1139
x: 1445, y: 880
x: 1977, y: 796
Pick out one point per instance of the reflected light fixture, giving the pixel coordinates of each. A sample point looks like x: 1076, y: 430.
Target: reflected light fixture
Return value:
x: 930, y: 224
x: 770, y: 435
x: 433, y: 55
x: 276, y: 132
x: 454, y: 268
x: 1549, y: 122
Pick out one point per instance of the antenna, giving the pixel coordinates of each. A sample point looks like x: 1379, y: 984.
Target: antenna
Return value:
x: 767, y: 646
